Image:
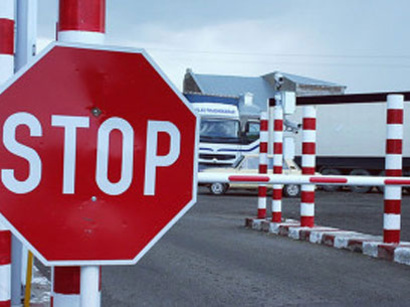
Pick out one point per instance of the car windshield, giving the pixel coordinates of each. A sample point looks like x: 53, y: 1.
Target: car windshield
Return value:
x: 219, y: 128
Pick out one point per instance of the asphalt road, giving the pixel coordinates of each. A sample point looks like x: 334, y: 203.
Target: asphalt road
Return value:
x: 209, y: 259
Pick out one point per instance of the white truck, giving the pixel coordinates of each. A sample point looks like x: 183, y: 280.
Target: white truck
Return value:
x: 221, y: 138
x: 351, y: 135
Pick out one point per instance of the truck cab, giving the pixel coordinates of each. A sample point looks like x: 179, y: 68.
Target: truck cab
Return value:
x: 220, y: 134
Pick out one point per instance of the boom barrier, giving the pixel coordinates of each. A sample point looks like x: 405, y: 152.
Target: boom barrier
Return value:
x: 392, y: 182
x: 303, y: 179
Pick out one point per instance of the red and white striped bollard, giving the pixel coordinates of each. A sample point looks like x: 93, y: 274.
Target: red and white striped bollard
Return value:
x: 6, y: 40
x: 277, y: 163
x: 307, y: 206
x: 263, y: 164
x: 80, y: 21
x: 394, y: 149
x: 5, y: 267
x: 65, y: 291
x: 6, y: 71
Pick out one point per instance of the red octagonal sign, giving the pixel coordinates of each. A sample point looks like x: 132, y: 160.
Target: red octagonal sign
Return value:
x: 97, y: 157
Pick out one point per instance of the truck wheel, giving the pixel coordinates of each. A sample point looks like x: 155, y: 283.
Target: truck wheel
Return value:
x: 356, y: 188
x: 218, y: 188
x: 291, y: 190
x: 330, y: 172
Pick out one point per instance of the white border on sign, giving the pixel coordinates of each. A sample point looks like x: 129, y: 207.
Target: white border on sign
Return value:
x: 15, y: 232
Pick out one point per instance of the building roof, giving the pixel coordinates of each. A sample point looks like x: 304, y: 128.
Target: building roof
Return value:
x: 262, y: 87
x: 235, y: 86
x: 309, y: 81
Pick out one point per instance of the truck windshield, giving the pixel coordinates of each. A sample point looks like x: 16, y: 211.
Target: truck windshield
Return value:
x: 219, y: 128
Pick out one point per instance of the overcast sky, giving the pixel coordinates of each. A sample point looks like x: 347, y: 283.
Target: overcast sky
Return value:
x: 363, y: 44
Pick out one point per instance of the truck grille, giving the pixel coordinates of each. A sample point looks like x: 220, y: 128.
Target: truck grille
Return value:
x: 217, y: 157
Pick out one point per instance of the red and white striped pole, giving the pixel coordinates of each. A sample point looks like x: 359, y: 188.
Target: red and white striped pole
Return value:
x: 394, y: 148
x: 80, y: 21
x: 277, y: 163
x: 65, y: 291
x: 5, y: 266
x: 6, y: 40
x: 263, y: 164
x: 67, y: 285
x: 307, y: 206
x: 6, y: 71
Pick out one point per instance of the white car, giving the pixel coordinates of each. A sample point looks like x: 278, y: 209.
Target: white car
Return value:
x: 249, y: 164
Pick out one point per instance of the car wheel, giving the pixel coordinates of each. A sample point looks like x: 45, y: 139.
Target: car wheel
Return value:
x: 291, y: 190
x: 356, y: 188
x: 330, y: 172
x: 218, y: 188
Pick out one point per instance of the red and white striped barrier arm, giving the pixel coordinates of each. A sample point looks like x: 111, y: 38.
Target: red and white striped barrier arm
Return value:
x: 6, y: 71
x: 208, y: 177
x: 307, y: 205
x: 263, y: 164
x: 394, y: 148
x: 80, y: 21
x: 277, y: 163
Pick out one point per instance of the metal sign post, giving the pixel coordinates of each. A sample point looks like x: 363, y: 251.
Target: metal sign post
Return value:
x: 90, y: 280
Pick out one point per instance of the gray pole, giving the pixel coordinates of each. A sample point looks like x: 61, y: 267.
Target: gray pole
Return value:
x: 26, y: 35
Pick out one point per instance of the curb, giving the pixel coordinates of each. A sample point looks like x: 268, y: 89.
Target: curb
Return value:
x: 353, y: 241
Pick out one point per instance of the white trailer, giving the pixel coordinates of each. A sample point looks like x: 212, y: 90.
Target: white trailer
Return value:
x: 351, y: 134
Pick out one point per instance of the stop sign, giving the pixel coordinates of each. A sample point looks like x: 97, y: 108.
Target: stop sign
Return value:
x: 97, y: 155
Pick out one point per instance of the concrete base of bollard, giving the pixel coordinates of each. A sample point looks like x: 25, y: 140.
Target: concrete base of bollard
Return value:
x: 402, y: 254
x: 366, y: 244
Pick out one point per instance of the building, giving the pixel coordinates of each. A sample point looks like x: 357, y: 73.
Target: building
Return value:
x: 252, y: 93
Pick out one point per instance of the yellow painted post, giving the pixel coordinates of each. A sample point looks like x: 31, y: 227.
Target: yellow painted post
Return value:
x: 27, y: 295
